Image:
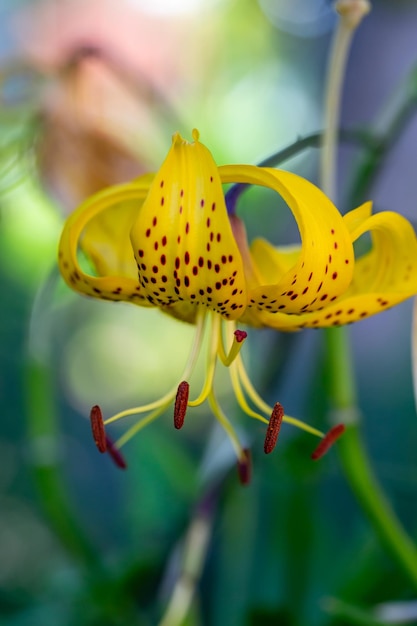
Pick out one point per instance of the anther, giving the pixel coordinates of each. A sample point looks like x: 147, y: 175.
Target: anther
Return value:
x: 327, y: 441
x: 115, y: 454
x: 181, y: 402
x: 244, y: 467
x: 274, y: 427
x: 240, y: 335
x: 97, y: 426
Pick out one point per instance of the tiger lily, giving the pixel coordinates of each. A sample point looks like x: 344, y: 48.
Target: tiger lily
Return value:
x: 166, y: 240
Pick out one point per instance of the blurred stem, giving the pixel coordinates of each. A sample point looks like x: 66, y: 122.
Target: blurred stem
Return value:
x: 389, y: 130
x: 193, y: 558
x: 344, y: 613
x: 341, y: 382
x: 315, y: 140
x: 351, y: 14
x: 45, y: 457
x: 354, y: 459
x: 43, y: 432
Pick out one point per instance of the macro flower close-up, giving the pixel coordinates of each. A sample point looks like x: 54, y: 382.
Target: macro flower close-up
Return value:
x: 208, y: 261
x: 168, y: 240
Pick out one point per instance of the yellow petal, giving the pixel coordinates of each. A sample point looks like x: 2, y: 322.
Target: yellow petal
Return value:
x: 106, y: 227
x: 382, y: 278
x: 182, y: 238
x: 323, y: 269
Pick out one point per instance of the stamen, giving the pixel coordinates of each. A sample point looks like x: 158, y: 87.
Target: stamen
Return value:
x: 327, y: 441
x: 244, y: 467
x: 218, y: 413
x: 97, y: 426
x: 181, y: 403
x: 211, y: 361
x: 263, y: 406
x: 274, y: 427
x: 170, y: 395
x: 237, y: 342
x: 115, y: 454
x: 240, y: 335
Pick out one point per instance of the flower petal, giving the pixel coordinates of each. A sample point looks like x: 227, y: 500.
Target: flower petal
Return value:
x: 182, y: 238
x: 383, y: 277
x: 105, y: 219
x: 323, y: 269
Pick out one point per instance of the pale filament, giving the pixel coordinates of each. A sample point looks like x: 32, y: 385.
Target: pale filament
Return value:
x: 189, y: 368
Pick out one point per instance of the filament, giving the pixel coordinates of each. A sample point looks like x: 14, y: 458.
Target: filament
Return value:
x: 189, y: 367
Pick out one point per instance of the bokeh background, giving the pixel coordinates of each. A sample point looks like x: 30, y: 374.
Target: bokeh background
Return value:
x: 91, y: 93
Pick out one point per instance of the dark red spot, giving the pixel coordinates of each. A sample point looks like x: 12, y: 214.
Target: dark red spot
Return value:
x: 155, y: 269
x: 148, y: 232
x: 164, y: 241
x: 200, y: 261
x: 154, y: 221
x: 187, y: 258
x: 334, y: 275
x: 186, y: 281
x: 187, y: 228
x: 201, y: 203
x: 218, y: 237
x: 177, y: 262
x: 217, y: 268
x: 195, y: 270
x: 213, y: 206
x: 163, y: 259
x: 140, y: 253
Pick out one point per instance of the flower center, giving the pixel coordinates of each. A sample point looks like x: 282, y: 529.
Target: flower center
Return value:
x: 225, y: 343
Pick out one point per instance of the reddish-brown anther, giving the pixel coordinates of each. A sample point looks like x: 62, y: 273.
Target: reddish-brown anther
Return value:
x: 274, y: 427
x: 181, y: 402
x: 240, y: 335
x: 244, y: 467
x: 115, y: 454
x: 97, y: 426
x: 327, y: 441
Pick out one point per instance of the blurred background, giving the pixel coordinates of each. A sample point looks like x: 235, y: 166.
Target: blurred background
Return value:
x: 91, y: 92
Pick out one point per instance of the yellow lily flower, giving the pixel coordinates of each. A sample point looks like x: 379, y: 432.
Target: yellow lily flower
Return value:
x: 166, y: 240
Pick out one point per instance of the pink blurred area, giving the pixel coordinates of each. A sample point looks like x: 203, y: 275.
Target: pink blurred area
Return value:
x: 112, y: 79
x: 152, y: 46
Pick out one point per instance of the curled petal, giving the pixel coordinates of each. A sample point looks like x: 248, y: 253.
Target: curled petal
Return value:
x: 323, y: 268
x: 103, y: 221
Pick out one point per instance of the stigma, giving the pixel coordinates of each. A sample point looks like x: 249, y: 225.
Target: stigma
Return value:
x: 224, y: 345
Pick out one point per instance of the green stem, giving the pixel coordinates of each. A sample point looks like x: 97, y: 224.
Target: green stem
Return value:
x: 43, y: 432
x: 353, y: 457
x: 45, y: 457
